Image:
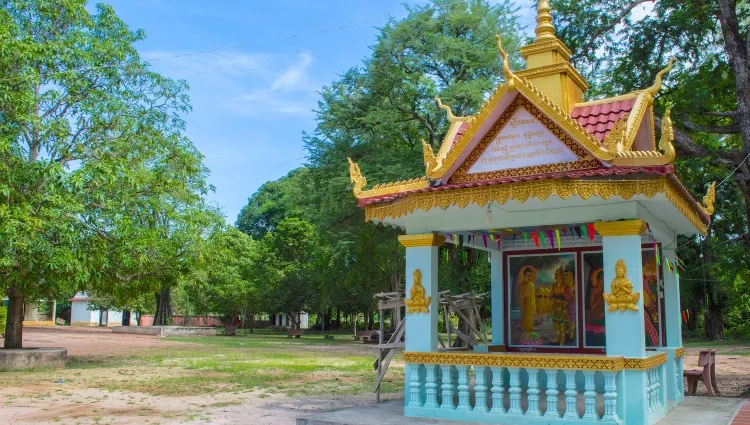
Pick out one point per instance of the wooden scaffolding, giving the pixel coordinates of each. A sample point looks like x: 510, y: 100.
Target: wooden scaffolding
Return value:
x: 466, y: 306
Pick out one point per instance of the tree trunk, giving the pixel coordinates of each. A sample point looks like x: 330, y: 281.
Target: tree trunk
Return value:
x: 14, y: 323
x: 714, y: 323
x: 163, y: 315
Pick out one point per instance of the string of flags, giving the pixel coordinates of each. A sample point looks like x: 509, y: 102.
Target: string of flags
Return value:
x: 545, y: 239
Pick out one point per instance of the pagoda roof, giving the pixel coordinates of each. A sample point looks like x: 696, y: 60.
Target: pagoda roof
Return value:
x: 534, y: 138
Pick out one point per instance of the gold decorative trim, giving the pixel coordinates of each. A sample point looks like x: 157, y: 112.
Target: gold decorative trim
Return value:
x: 449, y: 113
x: 426, y: 239
x: 606, y: 100
x: 646, y: 158
x: 555, y: 44
x: 356, y: 177
x: 622, y: 297
x: 561, y: 67
x: 537, y: 361
x: 647, y: 363
x: 418, y: 303
x: 540, y: 189
x: 644, y: 102
x: 585, y: 161
x: 620, y: 228
x: 564, y: 120
x: 679, y: 353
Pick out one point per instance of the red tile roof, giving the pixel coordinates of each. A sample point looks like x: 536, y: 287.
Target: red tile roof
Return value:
x: 599, y: 118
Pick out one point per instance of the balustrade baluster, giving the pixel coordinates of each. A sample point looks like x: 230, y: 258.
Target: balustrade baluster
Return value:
x: 498, y: 405
x: 415, y: 387
x: 533, y: 393
x: 610, y: 398
x: 659, y: 375
x: 480, y: 389
x: 463, y: 388
x: 515, y: 391
x: 677, y: 379
x: 571, y: 411
x: 552, y: 394
x: 651, y: 399
x: 431, y: 386
x: 589, y: 396
x: 447, y: 387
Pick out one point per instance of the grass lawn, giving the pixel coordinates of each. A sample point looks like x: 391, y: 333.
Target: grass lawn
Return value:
x: 274, y: 364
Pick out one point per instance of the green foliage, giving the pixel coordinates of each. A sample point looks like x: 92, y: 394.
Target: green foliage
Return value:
x: 225, y: 282
x: 3, y: 317
x: 290, y: 262
x: 100, y: 189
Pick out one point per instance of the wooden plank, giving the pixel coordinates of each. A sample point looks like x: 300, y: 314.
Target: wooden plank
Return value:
x: 391, y: 303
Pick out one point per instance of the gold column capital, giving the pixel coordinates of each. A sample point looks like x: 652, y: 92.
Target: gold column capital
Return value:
x: 621, y: 228
x: 425, y: 239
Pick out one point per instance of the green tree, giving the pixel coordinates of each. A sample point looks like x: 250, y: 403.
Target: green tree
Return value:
x: 290, y: 261
x: 225, y: 283
x: 92, y: 157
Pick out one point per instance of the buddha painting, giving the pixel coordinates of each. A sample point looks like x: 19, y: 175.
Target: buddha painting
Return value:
x: 527, y: 298
x: 417, y: 302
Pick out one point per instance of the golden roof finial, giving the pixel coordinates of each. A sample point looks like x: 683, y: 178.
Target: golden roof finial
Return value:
x: 544, y: 28
x: 506, y: 65
x: 356, y: 177
x: 429, y: 157
x: 451, y: 118
x: 657, y: 83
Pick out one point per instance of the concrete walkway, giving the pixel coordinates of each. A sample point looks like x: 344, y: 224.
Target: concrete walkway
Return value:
x: 695, y: 410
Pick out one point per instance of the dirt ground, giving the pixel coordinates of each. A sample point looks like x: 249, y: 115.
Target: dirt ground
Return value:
x: 51, y: 402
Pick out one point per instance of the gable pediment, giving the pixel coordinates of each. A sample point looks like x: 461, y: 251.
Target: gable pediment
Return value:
x: 523, y: 141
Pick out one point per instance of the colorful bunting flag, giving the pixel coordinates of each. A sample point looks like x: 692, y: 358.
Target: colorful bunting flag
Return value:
x: 535, y: 236
x: 557, y: 234
x: 484, y: 239
x: 591, y: 231
x: 551, y: 239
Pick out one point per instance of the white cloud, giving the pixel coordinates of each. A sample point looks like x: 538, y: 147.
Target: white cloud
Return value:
x: 244, y: 84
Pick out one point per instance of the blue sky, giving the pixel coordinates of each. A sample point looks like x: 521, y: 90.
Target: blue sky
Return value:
x: 251, y: 104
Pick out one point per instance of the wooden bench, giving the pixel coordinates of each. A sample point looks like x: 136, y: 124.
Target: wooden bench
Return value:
x: 230, y: 330
x: 294, y: 333
x: 365, y: 336
x: 707, y: 375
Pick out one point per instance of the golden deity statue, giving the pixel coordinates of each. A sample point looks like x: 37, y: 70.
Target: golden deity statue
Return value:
x: 622, y: 296
x: 418, y: 303
x: 527, y: 298
x: 569, y: 278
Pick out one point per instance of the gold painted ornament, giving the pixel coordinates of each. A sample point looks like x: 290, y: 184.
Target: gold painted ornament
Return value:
x: 418, y: 303
x: 622, y: 297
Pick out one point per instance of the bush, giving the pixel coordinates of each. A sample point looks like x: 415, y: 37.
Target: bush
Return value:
x: 3, y: 316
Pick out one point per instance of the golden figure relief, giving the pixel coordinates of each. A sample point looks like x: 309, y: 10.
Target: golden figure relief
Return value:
x: 561, y: 295
x: 527, y: 298
x: 622, y: 297
x: 418, y: 303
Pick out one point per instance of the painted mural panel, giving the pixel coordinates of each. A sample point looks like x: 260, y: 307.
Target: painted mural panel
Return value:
x: 542, y: 298
x: 593, y: 311
x: 593, y: 300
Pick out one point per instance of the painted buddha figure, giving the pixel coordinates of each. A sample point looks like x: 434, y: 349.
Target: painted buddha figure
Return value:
x: 527, y: 298
x: 417, y: 302
x: 596, y: 299
x: 558, y: 294
x: 622, y: 296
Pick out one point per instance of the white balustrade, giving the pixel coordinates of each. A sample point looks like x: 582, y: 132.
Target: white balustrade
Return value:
x: 480, y: 392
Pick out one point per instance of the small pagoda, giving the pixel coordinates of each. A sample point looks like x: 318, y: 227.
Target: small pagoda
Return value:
x: 578, y: 208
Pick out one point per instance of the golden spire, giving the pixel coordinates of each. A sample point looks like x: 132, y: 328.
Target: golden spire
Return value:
x: 544, y: 28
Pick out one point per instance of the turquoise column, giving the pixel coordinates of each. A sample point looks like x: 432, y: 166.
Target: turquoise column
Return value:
x: 497, y: 296
x: 673, y: 320
x: 621, y: 240
x: 421, y: 327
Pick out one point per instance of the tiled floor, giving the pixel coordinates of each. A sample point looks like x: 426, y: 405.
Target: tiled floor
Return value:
x: 743, y: 415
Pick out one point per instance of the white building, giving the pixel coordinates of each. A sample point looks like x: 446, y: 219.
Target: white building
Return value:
x: 283, y: 319
x: 81, y: 315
